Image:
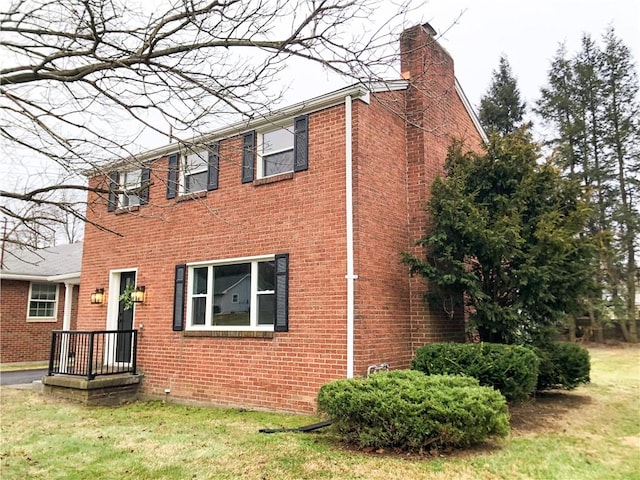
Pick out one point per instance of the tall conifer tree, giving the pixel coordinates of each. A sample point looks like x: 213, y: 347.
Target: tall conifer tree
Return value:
x: 501, y: 109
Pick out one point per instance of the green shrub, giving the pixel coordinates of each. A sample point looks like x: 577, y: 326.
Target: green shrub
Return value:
x: 411, y: 411
x: 563, y: 366
x: 511, y: 369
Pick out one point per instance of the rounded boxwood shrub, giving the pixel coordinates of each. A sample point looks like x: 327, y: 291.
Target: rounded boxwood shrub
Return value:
x: 563, y: 366
x: 411, y: 411
x: 511, y: 369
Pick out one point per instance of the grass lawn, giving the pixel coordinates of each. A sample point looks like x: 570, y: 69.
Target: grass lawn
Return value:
x: 590, y: 433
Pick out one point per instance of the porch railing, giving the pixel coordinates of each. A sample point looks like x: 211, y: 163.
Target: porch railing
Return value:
x: 93, y: 353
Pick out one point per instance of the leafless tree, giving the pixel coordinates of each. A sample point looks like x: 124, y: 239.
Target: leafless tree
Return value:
x: 85, y: 83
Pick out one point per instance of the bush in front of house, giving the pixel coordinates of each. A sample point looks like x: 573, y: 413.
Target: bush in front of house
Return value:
x: 563, y: 366
x: 411, y: 411
x: 511, y: 369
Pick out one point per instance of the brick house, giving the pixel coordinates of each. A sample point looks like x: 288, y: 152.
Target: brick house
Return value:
x: 38, y: 294
x: 305, y: 214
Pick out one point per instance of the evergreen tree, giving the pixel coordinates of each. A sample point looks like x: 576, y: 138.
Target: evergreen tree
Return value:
x: 501, y: 109
x: 621, y: 135
x: 505, y: 238
x: 591, y: 101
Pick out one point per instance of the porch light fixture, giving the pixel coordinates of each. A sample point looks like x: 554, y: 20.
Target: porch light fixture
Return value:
x: 137, y: 296
x: 97, y: 297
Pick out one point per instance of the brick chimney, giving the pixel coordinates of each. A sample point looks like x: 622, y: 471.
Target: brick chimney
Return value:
x: 432, y: 110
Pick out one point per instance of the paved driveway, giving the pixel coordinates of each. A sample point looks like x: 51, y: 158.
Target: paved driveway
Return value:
x: 19, y: 377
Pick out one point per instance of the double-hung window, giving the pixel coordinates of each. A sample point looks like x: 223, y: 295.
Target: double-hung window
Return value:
x: 235, y: 295
x: 194, y: 172
x: 128, y: 188
x: 130, y: 183
x: 276, y: 152
x: 43, y: 302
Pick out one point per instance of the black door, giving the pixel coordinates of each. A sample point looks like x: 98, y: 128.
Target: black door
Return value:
x: 125, y: 320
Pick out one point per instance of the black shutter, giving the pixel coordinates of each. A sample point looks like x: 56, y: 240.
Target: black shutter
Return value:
x: 248, y: 156
x: 112, y: 203
x: 172, y: 176
x: 178, y: 298
x: 145, y: 178
x: 301, y: 143
x: 282, y: 293
x: 214, y: 166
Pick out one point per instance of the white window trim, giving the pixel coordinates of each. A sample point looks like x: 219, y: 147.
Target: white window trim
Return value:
x: 183, y: 157
x: 260, y: 140
x: 55, y: 306
x: 253, y: 313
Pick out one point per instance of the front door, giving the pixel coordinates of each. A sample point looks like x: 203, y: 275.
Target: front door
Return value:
x: 125, y: 319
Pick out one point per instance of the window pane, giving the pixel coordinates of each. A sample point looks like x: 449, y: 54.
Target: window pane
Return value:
x: 277, y: 140
x: 266, y: 309
x: 198, y: 310
x: 40, y: 291
x: 41, y: 309
x: 232, y: 281
x: 278, y: 163
x: 132, y: 179
x: 200, y: 281
x: 196, y: 161
x: 196, y: 182
x: 129, y: 200
x: 266, y: 275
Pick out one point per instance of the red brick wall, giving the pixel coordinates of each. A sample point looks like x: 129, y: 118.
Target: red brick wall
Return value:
x: 304, y: 216
x: 22, y: 341
x: 382, y: 333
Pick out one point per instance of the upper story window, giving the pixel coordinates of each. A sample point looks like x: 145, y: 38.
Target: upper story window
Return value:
x: 128, y: 188
x: 195, y: 166
x: 276, y: 152
x: 130, y: 183
x: 271, y: 152
x: 192, y: 172
x: 43, y: 301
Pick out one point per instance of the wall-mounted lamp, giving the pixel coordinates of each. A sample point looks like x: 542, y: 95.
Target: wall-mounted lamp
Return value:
x: 137, y: 296
x: 97, y: 296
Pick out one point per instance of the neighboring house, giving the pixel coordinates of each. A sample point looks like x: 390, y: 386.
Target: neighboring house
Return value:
x: 38, y: 294
x: 300, y: 219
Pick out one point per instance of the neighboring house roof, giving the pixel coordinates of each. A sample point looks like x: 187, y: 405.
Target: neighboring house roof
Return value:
x: 224, y: 284
x: 54, y: 264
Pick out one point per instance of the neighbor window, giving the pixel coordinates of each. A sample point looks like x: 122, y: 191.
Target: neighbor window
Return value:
x: 43, y: 298
x: 276, y: 152
x: 232, y: 296
x: 194, y: 172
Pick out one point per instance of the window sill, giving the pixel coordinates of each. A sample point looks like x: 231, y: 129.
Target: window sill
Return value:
x: 228, y: 333
x: 123, y: 210
x: 185, y: 197
x: 273, y: 179
x: 41, y: 320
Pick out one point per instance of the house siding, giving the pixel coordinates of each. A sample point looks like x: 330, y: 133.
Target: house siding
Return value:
x: 396, y: 156
x: 23, y: 341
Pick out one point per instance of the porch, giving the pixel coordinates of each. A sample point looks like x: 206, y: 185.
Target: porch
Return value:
x: 93, y: 367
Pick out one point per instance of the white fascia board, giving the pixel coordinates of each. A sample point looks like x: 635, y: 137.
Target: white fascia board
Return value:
x: 73, y: 278
x: 24, y: 278
x: 471, y: 112
x: 331, y: 99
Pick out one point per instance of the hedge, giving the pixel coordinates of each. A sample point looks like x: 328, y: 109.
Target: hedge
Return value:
x: 410, y: 411
x: 511, y: 369
x: 563, y: 366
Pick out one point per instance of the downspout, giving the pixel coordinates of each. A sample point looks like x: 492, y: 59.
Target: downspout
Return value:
x: 351, y: 277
